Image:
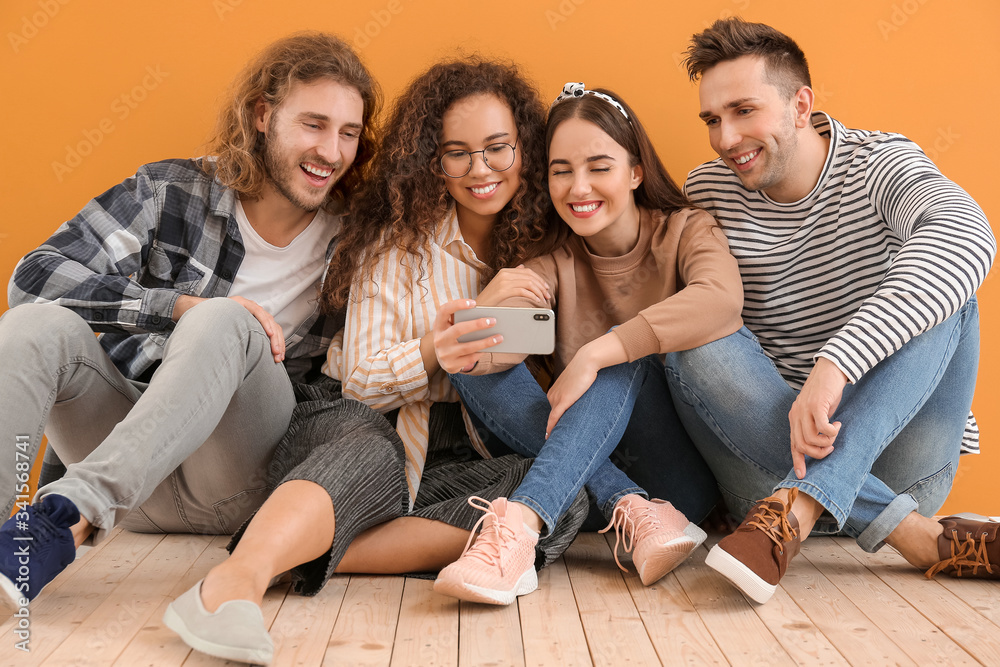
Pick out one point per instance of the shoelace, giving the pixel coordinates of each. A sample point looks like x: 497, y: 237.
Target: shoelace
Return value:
x: 964, y: 554
x: 488, y: 548
x: 774, y: 522
x: 628, y: 531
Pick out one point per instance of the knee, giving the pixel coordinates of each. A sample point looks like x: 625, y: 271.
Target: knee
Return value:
x: 41, y: 325
x: 696, y: 371
x: 38, y: 317
x: 216, y: 317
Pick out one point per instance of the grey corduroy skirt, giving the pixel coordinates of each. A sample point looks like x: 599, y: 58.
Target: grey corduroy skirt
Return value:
x: 356, y: 455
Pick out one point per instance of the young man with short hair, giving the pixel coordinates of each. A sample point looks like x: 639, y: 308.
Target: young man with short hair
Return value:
x: 860, y: 263
x: 201, y: 277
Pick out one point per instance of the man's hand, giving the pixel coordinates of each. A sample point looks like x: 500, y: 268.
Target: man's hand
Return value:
x: 186, y: 302
x: 271, y: 328
x: 812, y: 433
x: 514, y: 282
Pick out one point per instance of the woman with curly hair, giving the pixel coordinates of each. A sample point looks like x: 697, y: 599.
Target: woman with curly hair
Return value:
x: 455, y: 196
x: 642, y: 273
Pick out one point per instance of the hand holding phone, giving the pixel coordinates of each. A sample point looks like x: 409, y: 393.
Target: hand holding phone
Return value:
x: 524, y: 330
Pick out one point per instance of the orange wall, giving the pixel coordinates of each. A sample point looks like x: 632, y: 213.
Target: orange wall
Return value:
x: 92, y: 90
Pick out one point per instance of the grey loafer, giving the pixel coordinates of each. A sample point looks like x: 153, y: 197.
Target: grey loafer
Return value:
x: 235, y: 631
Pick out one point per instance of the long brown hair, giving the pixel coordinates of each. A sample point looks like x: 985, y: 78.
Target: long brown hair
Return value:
x: 405, y: 197
x: 303, y: 57
x: 658, y: 191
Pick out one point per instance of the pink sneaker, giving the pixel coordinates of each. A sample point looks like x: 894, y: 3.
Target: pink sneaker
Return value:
x: 661, y: 536
x: 500, y: 565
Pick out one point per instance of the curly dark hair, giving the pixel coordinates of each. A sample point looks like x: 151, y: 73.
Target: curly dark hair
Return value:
x: 405, y: 197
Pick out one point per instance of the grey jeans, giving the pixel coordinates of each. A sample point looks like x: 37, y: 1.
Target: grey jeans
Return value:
x: 187, y: 452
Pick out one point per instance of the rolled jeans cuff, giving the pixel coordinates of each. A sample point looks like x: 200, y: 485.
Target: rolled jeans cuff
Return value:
x: 873, y: 537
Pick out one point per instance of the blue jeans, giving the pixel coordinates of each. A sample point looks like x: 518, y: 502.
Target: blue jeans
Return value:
x: 626, y: 414
x: 896, y: 452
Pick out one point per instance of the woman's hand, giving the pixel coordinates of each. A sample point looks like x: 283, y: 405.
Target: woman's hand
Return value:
x: 453, y: 356
x: 580, y: 374
x: 517, y: 282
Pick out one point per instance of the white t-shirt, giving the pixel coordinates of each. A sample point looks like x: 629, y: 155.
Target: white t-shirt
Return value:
x: 284, y: 281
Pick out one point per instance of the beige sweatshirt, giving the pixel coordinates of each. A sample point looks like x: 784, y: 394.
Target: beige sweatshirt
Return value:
x: 677, y: 289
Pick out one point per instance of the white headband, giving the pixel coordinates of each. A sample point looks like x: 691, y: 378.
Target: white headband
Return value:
x: 577, y: 89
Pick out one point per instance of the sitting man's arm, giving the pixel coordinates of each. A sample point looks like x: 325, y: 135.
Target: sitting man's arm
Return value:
x: 93, y: 263
x: 947, y: 250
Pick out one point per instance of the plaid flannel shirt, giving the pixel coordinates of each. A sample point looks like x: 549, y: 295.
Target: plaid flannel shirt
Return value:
x: 123, y: 261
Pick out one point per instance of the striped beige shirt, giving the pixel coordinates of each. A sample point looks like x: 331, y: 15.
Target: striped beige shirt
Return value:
x: 377, y: 354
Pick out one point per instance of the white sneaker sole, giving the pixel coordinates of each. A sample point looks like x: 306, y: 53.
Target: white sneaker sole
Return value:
x: 739, y: 575
x: 527, y: 583
x: 10, y: 600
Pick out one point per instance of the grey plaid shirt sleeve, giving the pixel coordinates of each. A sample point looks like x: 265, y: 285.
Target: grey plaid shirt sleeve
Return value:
x: 92, y: 263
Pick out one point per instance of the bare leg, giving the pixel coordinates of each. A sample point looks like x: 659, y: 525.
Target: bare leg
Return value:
x: 81, y: 531
x: 916, y: 540
x: 294, y: 526
x: 412, y: 544
x: 805, y: 508
x: 407, y: 544
x: 531, y: 519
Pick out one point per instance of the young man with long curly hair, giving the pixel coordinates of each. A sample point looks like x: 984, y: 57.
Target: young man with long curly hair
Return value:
x: 201, y: 278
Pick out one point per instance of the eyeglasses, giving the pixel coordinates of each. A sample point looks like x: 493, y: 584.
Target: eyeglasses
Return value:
x: 498, y: 157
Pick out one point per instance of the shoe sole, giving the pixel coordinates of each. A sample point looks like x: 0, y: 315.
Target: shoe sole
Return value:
x: 174, y: 621
x: 671, y: 555
x: 527, y: 583
x: 740, y: 575
x: 10, y: 601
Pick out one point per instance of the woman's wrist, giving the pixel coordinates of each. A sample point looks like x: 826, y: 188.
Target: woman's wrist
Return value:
x: 604, y: 351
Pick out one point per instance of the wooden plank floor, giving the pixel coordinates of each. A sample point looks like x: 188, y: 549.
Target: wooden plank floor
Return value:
x: 837, y: 605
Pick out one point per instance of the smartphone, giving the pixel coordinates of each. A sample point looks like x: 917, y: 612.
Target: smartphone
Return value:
x: 524, y: 330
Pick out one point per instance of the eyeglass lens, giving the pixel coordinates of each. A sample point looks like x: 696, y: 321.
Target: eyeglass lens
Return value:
x: 498, y: 157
